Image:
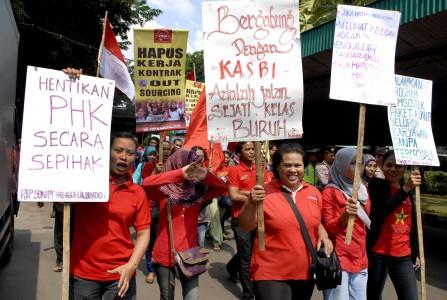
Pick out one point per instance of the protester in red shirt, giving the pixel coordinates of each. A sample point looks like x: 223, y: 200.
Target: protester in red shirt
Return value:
x: 103, y: 257
x: 392, y: 241
x: 187, y: 186
x: 281, y: 271
x: 241, y: 180
x: 337, y: 207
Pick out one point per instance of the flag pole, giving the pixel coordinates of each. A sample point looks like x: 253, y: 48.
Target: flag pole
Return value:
x: 259, y: 204
x: 194, y: 71
x: 102, y: 43
x: 211, y: 154
x: 358, y: 169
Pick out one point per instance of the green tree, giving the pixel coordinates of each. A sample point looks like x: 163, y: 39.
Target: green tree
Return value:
x: 316, y: 12
x: 195, y: 59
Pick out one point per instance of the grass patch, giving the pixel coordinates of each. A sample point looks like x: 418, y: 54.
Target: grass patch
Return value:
x: 434, y: 205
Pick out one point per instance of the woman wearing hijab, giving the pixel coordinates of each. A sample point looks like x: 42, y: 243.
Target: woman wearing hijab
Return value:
x: 370, y: 164
x: 146, y: 166
x: 186, y: 186
x: 392, y: 241
x: 337, y: 207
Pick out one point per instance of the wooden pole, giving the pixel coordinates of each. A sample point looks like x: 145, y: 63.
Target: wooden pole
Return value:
x: 66, y: 253
x: 102, y: 43
x: 421, y: 240
x: 211, y: 155
x: 358, y: 169
x: 160, y: 149
x: 260, y: 205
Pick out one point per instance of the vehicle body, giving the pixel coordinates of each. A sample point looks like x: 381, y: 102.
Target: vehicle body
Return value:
x: 9, y: 39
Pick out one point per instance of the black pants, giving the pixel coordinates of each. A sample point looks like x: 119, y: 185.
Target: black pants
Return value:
x: 59, y: 229
x: 240, y: 263
x: 83, y: 289
x: 283, y: 290
x: 401, y: 273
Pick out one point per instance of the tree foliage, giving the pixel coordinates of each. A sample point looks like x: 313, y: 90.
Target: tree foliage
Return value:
x: 195, y: 60
x: 316, y: 12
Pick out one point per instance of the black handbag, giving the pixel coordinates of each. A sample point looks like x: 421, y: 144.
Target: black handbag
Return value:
x: 325, y: 271
x: 189, y: 262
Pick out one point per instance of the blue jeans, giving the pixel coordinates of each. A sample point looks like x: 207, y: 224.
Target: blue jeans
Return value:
x: 166, y: 283
x: 201, y: 231
x: 353, y: 287
x: 81, y: 289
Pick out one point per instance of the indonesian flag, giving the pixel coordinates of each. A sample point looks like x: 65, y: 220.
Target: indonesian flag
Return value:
x: 197, y: 134
x: 112, y: 64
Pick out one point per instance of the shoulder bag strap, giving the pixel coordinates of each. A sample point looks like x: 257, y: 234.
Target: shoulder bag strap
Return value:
x: 304, y: 233
x: 171, y: 234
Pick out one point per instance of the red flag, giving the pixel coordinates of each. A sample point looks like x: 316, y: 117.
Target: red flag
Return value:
x: 191, y: 76
x: 197, y: 134
x: 112, y: 64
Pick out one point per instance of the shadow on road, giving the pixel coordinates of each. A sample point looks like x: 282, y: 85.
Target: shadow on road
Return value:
x: 435, y: 261
x: 18, y: 279
x: 218, y: 272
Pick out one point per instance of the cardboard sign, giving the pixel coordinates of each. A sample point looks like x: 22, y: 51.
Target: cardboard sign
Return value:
x: 193, y: 91
x: 363, y: 55
x: 159, y: 75
x: 65, y: 153
x: 410, y: 122
x: 253, y: 70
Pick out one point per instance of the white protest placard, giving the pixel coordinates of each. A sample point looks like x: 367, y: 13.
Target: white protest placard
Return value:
x: 65, y: 149
x: 253, y: 70
x: 363, y: 55
x: 410, y: 122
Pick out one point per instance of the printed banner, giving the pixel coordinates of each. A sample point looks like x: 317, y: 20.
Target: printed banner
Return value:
x: 363, y: 55
x: 193, y: 91
x: 65, y: 138
x: 159, y: 75
x: 254, y: 80
x: 410, y: 122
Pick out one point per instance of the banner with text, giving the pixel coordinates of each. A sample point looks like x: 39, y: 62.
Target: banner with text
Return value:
x: 363, y: 55
x: 159, y: 75
x: 253, y: 70
x: 410, y: 122
x: 65, y: 150
x: 193, y: 91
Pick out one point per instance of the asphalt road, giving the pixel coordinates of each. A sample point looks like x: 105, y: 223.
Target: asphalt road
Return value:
x: 29, y: 275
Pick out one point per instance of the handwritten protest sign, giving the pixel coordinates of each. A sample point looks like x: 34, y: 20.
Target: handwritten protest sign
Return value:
x: 65, y: 138
x: 193, y: 91
x: 159, y: 75
x: 253, y: 70
x: 410, y: 122
x: 363, y: 55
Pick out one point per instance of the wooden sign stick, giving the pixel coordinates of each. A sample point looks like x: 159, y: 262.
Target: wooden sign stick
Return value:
x: 66, y: 253
x: 211, y: 155
x: 160, y: 149
x: 358, y: 170
x: 420, y: 240
x: 260, y: 205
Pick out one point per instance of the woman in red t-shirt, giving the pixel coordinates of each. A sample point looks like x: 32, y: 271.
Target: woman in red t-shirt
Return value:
x: 187, y: 186
x: 392, y: 240
x: 337, y: 207
x: 281, y: 271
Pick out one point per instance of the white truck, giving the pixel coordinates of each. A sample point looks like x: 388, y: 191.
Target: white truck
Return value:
x: 9, y: 41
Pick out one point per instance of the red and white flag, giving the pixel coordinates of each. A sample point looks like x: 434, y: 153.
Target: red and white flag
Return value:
x: 112, y: 64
